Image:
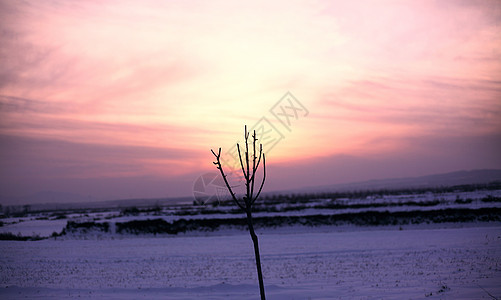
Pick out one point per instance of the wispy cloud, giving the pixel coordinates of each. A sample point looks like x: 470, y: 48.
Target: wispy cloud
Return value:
x: 25, y: 157
x: 379, y: 107
x: 124, y: 79
x: 389, y: 100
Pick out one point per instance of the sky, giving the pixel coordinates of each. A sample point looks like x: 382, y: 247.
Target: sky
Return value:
x: 125, y: 99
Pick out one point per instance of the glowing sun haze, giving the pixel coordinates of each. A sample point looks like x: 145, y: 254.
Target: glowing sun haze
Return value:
x: 119, y: 99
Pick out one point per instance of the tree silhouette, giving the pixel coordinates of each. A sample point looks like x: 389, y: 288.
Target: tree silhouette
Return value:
x: 248, y: 200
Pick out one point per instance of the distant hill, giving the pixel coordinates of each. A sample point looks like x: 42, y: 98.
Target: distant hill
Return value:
x: 436, y: 180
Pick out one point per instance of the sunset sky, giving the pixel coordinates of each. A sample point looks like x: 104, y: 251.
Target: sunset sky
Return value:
x: 125, y: 99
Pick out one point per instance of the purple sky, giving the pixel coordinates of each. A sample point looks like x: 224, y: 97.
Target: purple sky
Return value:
x: 125, y: 99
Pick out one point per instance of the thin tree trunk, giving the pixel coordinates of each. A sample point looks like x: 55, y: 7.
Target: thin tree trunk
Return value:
x: 249, y: 198
x: 256, y: 252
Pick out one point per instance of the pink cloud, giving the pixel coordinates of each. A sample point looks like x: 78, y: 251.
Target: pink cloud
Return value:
x: 129, y: 81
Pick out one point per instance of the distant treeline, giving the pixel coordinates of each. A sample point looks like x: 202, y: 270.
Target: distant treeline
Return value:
x: 379, y: 193
x: 302, y: 205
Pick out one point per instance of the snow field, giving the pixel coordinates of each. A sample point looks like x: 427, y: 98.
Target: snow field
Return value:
x: 323, y: 263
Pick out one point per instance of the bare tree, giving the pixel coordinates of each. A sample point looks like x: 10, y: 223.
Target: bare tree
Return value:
x: 248, y: 200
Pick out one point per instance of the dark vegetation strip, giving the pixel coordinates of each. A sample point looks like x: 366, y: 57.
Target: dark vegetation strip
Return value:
x: 490, y: 199
x: 17, y: 237
x: 372, y: 218
x: 265, y: 207
x: 85, y: 227
x: 160, y: 226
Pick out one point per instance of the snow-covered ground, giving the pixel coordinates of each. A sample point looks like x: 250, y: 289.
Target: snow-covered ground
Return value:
x: 417, y: 262
x: 44, y: 224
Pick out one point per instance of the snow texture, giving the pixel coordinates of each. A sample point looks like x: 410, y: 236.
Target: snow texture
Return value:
x: 420, y: 262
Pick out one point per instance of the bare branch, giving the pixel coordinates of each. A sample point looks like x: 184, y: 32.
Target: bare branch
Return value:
x: 262, y: 182
x: 250, y: 178
x: 247, y: 180
x: 254, y: 139
x: 218, y: 165
x: 246, y: 176
x: 246, y: 133
x: 216, y: 155
x: 260, y: 154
